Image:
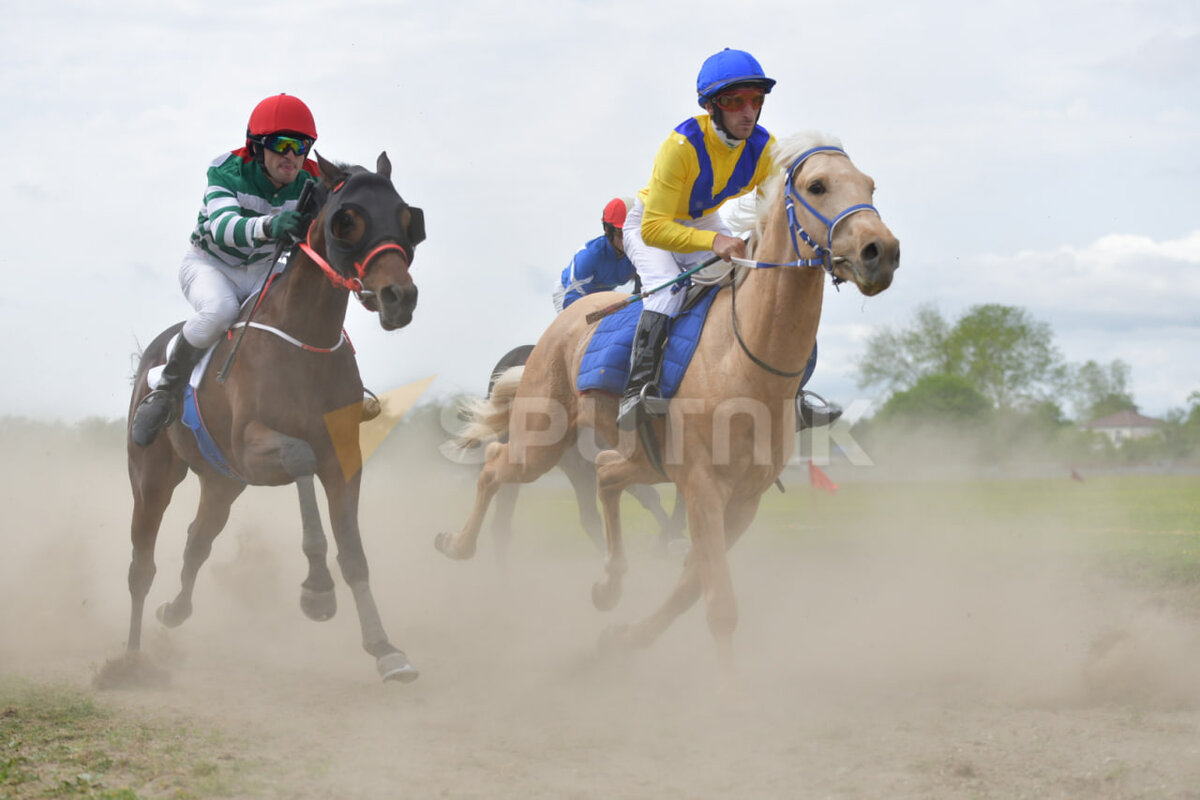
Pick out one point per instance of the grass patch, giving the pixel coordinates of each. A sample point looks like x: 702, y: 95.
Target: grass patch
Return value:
x: 1141, y: 527
x: 58, y: 742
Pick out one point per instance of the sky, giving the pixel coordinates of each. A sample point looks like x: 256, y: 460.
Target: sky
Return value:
x: 1036, y: 153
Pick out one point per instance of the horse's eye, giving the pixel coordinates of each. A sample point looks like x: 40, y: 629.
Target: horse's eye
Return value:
x: 816, y: 187
x: 343, y: 224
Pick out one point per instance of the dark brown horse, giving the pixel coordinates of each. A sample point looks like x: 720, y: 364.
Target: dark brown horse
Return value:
x: 290, y: 405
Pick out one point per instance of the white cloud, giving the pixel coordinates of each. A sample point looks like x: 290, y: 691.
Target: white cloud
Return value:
x: 1044, y: 133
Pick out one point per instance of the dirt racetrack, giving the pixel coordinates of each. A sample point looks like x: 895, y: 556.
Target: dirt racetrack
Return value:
x: 929, y: 657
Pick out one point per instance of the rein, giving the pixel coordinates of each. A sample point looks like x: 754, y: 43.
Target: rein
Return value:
x: 824, y: 257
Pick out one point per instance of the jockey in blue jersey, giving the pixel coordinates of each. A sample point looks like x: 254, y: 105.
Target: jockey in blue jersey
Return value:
x: 601, y: 264
x: 674, y: 223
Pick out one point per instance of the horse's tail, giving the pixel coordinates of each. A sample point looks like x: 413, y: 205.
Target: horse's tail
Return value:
x: 487, y: 418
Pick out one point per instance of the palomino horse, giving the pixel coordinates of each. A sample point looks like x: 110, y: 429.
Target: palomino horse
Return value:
x: 730, y: 427
x: 290, y: 406
x: 581, y: 472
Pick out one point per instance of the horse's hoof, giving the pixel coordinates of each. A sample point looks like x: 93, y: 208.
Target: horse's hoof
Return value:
x: 445, y: 543
x: 132, y: 670
x: 396, y: 667
x: 614, y: 639
x: 172, y: 614
x: 318, y: 606
x: 679, y: 547
x: 605, y: 594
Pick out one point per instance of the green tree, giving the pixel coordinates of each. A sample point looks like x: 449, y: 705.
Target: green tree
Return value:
x: 1002, y: 352
x: 938, y: 399
x: 1098, y: 391
x: 898, y: 359
x: 1005, y: 354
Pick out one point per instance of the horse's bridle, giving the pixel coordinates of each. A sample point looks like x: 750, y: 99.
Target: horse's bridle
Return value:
x: 823, y: 253
x: 349, y: 261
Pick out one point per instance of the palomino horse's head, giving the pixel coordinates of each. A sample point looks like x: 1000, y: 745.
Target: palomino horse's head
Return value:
x: 367, y: 234
x: 827, y: 201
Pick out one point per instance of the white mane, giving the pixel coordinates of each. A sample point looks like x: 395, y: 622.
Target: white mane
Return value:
x: 786, y: 151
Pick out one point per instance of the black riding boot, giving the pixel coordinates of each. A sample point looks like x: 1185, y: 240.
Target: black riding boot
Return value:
x: 809, y: 415
x: 159, y: 408
x: 644, y: 364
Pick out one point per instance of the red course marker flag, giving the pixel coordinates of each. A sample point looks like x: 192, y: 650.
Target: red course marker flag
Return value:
x: 819, y: 480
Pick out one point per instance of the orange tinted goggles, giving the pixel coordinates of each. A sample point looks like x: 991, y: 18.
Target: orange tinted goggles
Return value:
x: 737, y: 100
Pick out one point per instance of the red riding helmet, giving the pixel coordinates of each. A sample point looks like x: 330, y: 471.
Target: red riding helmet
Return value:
x: 279, y: 113
x: 614, y: 213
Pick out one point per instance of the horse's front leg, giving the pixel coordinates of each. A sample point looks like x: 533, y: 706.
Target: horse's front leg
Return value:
x: 216, y: 497
x: 582, y: 475
x: 270, y: 457
x: 318, y: 599
x: 707, y: 517
x: 390, y: 661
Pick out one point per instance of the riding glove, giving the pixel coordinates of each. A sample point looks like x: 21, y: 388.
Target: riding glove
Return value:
x: 285, y: 223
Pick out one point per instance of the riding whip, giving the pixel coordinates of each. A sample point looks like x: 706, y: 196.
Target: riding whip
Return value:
x: 303, y: 202
x: 596, y: 316
x: 224, y: 373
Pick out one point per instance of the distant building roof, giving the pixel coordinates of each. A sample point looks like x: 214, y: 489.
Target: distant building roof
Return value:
x: 1124, y: 419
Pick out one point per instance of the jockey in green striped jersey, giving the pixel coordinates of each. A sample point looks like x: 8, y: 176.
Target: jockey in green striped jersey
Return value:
x: 249, y: 206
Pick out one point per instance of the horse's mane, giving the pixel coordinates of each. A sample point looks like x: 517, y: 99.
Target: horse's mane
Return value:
x: 786, y: 151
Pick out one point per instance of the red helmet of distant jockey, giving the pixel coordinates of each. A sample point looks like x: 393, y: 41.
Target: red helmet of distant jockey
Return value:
x: 614, y: 213
x: 281, y: 113
x: 729, y: 68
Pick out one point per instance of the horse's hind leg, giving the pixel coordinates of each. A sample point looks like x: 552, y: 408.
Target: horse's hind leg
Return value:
x: 216, y: 497
x: 498, y: 468
x: 502, y: 518
x: 317, y: 597
x: 153, y: 473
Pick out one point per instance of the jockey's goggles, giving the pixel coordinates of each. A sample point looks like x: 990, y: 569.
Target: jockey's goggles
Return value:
x: 278, y: 143
x: 736, y: 100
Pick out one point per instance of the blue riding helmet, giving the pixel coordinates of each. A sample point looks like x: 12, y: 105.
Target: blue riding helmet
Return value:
x: 724, y: 69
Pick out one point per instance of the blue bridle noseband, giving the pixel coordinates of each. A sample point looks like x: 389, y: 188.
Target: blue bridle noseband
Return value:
x: 824, y: 253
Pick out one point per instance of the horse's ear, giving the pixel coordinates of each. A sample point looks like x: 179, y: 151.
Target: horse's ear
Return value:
x: 415, y: 226
x: 383, y: 166
x: 331, y: 175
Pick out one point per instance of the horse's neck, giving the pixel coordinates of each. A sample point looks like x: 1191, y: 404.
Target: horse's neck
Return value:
x: 307, y: 305
x: 777, y: 308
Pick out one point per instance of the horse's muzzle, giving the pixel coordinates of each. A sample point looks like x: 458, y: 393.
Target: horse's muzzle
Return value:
x: 875, y: 265
x: 396, y: 304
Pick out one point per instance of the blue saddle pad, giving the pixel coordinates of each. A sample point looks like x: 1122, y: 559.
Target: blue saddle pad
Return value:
x: 605, y: 365
x: 208, y: 448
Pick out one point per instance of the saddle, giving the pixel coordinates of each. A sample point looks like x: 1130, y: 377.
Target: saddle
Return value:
x: 605, y: 364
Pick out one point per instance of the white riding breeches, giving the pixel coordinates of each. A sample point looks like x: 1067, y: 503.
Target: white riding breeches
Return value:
x: 656, y: 266
x: 216, y: 290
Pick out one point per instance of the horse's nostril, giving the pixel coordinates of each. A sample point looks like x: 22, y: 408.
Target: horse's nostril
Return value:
x: 395, y: 294
x: 870, y: 253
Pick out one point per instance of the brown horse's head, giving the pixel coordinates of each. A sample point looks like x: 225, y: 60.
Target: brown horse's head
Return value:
x: 830, y: 210
x: 368, y: 235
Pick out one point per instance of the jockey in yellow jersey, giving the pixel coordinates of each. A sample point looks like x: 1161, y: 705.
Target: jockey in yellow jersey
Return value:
x: 674, y: 223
